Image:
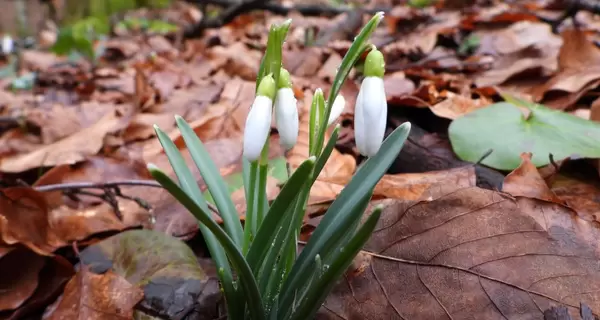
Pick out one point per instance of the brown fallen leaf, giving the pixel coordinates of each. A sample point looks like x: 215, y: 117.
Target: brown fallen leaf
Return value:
x: 578, y: 71
x: 92, y: 296
x: 70, y: 150
x: 24, y: 220
x: 582, y: 196
x: 56, y: 272
x: 338, y: 166
x: 472, y: 254
x: 17, y: 282
x: 526, y: 181
x: 458, y: 105
x: 422, y: 186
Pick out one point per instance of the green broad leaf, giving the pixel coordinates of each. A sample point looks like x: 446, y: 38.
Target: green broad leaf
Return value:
x: 165, y: 268
x: 161, y: 27
x: 504, y: 129
x: 340, y: 213
x: 421, y: 3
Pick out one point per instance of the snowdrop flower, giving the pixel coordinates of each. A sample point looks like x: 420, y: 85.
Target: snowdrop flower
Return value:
x: 7, y: 44
x: 286, y: 111
x: 258, y: 123
x: 336, y: 109
x: 371, y: 106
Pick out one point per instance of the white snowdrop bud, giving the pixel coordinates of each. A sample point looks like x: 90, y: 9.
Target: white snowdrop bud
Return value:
x: 258, y: 123
x: 336, y: 109
x: 7, y: 44
x: 370, y: 112
x: 286, y: 111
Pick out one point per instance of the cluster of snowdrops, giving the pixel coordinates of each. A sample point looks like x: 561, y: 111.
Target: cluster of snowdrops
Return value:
x: 262, y: 271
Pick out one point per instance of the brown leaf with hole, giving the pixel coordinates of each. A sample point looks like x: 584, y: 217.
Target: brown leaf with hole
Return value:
x: 338, y: 166
x: 69, y: 150
x: 526, y: 181
x: 472, y: 254
x: 90, y: 296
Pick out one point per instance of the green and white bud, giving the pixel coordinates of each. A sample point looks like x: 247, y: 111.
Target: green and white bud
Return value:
x: 258, y: 123
x: 370, y: 113
x: 286, y: 111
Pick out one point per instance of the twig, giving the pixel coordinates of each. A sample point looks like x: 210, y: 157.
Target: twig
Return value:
x: 111, y: 191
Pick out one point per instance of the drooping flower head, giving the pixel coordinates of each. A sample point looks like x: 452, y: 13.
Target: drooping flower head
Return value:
x: 370, y: 113
x: 286, y: 111
x: 258, y: 123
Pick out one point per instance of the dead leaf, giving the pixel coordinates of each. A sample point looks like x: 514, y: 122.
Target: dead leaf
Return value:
x: 526, y: 181
x: 578, y: 72
x: 92, y: 296
x: 70, y: 150
x: 165, y: 268
x: 17, y: 283
x: 456, y: 105
x: 472, y: 252
x: 423, y: 186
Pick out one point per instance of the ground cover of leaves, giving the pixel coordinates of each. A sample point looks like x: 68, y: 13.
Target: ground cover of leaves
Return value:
x: 86, y: 234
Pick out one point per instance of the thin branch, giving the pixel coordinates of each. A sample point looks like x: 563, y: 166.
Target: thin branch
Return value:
x: 111, y: 191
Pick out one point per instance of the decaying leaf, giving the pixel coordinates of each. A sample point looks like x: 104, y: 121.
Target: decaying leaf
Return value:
x: 92, y: 296
x: 164, y: 267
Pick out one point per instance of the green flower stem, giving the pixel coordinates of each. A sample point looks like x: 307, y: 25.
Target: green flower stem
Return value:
x: 245, y: 276
x: 263, y: 172
x: 250, y: 220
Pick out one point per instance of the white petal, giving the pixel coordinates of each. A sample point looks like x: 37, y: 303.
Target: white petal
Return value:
x: 286, y: 117
x: 7, y: 44
x: 258, y: 126
x: 370, y: 116
x: 336, y: 109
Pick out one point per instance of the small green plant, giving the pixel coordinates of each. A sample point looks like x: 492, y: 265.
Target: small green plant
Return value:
x: 273, y: 281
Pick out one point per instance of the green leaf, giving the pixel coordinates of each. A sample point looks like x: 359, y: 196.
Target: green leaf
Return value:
x: 217, y: 187
x: 340, y: 210
x: 263, y: 242
x: 165, y: 268
x: 190, y: 187
x: 320, y: 289
x: 245, y: 277
x: 503, y: 128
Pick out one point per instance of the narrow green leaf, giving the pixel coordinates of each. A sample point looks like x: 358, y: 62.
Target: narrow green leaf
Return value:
x: 320, y: 289
x: 265, y: 235
x: 324, y: 156
x: 217, y: 187
x: 245, y: 276
x: 190, y: 186
x: 251, y: 207
x: 361, y: 184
